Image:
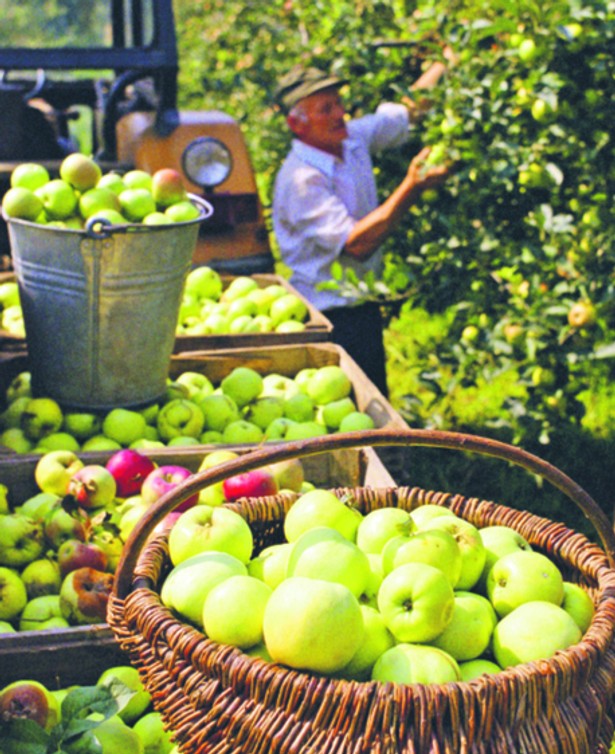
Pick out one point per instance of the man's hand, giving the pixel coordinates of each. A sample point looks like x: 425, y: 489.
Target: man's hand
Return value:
x: 425, y: 172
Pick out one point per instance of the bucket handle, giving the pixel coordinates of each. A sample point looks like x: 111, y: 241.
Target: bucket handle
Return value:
x: 101, y: 227
x: 313, y: 446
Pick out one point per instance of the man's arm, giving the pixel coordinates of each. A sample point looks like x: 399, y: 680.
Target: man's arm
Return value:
x: 370, y: 232
x: 418, y: 107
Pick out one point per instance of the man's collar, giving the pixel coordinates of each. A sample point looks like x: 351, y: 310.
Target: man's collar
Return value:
x: 318, y: 159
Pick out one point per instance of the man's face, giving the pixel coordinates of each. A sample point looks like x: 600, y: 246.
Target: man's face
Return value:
x: 321, y: 121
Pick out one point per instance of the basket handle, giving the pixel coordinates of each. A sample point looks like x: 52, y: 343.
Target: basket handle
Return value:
x: 313, y: 446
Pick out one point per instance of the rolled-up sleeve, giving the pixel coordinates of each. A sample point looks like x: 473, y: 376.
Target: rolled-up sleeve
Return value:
x: 388, y: 127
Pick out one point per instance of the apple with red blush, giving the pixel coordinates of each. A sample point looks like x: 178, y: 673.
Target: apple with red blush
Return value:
x: 93, y: 486
x: 255, y: 483
x: 129, y: 468
x: 73, y: 554
x: 162, y: 480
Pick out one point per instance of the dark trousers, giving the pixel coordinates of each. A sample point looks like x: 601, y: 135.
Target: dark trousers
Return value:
x: 359, y: 330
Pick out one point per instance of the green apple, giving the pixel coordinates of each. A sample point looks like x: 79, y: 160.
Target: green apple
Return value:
x: 468, y: 635
x: 219, y: 410
x: 80, y: 171
x: 271, y: 563
x: 499, y: 540
x: 4, y: 499
x: 59, y: 199
x: 13, y: 594
x: 380, y: 525
x: 22, y: 204
x: 262, y: 411
x: 328, y: 383
x: 156, y: 218
x: 21, y: 540
x: 207, y: 527
x: 199, y: 385
x: 303, y: 378
x: 304, y: 430
x: 180, y: 416
x: 136, y: 203
x: 240, y: 307
x: 112, y: 181
x: 20, y: 385
x: 42, y: 576
x: 263, y: 298
x: 239, y: 287
x: 38, y: 505
x: 242, y: 432
x: 54, y: 470
x: 533, y: 631
x: 288, y: 307
x: 521, y: 577
x: 318, y: 508
x: 298, y: 407
x: 279, y: 385
x: 13, y: 321
x: 9, y: 294
x: 472, y: 669
x: 93, y: 201
x: 182, y: 212
x: 416, y: 601
x: 113, y: 735
x: 233, y: 611
x: 356, y: 421
x: 82, y: 424
x: 311, y: 624
x: 331, y: 414
x: 58, y: 441
x: 30, y: 175
x: 129, y: 676
x: 435, y: 547
x: 7, y: 628
x: 213, y: 494
x: 156, y: 739
x: 323, y: 553
x: 579, y: 604
x: 30, y: 700
x: 205, y: 282
x: 243, y: 385
x: 471, y: 547
x: 137, y: 178
x: 15, y: 439
x: 100, y: 442
x: 289, y: 474
x: 124, y: 425
x: 41, y: 417
x: 377, y: 639
x: 425, y: 513
x: 278, y: 429
x: 407, y: 663
x: 130, y: 514
x: 42, y: 614
x: 187, y: 585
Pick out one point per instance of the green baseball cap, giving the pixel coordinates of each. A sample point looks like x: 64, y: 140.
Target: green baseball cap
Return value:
x: 300, y: 82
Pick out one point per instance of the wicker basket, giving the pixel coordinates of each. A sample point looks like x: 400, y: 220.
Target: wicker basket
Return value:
x: 219, y: 700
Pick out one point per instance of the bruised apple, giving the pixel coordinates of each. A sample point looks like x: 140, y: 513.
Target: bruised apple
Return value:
x: 29, y: 700
x: 84, y: 595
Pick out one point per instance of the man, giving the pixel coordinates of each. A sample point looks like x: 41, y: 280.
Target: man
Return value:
x: 325, y: 206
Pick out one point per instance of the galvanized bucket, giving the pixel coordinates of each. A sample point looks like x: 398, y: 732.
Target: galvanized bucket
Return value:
x: 100, y: 306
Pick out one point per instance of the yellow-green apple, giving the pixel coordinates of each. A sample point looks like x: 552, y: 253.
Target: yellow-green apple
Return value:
x: 82, y: 424
x: 129, y: 468
x: 303, y: 430
x: 110, y: 543
x: 42, y: 614
x: 299, y: 407
x: 11, y: 416
x: 239, y: 287
x: 407, y: 663
x: 533, y: 631
x: 4, y: 499
x: 113, y: 735
x: 129, y: 514
x: 30, y: 175
x: 167, y: 187
x: 243, y: 385
x: 213, y: 494
x: 472, y: 669
x: 356, y: 421
x: 241, y: 307
x: 80, y: 171
x: 42, y: 576
x: 180, y: 417
x: 255, y: 483
x: 15, y: 439
x: 382, y: 524
x: 331, y: 414
x: 38, y: 505
x: 317, y: 508
x: 100, y: 442
x: 424, y: 513
x: 499, y: 540
x: 112, y: 181
x: 303, y: 378
x: 137, y: 178
x: 162, y: 480
x: 234, y: 609
x: 92, y: 486
x: 288, y: 307
x: 95, y: 200
x: 6, y: 627
x: 416, y: 601
x: 84, y: 595
x: 59, y: 199
x: 138, y: 704
x: 59, y: 525
x: 73, y: 554
x: 271, y: 563
x: 41, y: 417
x: 263, y: 410
x: 376, y: 640
x: 57, y: 441
x: 29, y: 700
x: 579, y: 604
x: 219, y: 410
x: 156, y: 218
x: 311, y: 624
x: 521, y: 577
x: 124, y: 425
x: 136, y: 203
x: 204, y: 282
x: 187, y: 585
x: 22, y: 540
x: 182, y: 212
x: 468, y: 635
x: 435, y: 547
x: 241, y: 432
x: 22, y: 204
x: 153, y: 733
x: 278, y: 429
x: 279, y: 385
x: 199, y: 385
x: 207, y: 527
x: 289, y: 474
x: 13, y: 594
x: 21, y: 384
x: 329, y: 383
x: 471, y: 547
x: 263, y: 298
x: 323, y: 553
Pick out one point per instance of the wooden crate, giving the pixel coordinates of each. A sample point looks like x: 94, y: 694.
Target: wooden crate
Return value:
x: 73, y: 655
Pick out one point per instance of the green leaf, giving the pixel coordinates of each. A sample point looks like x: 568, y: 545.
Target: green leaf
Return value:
x: 19, y: 736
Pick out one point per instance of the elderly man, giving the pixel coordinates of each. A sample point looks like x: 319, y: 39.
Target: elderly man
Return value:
x: 325, y: 206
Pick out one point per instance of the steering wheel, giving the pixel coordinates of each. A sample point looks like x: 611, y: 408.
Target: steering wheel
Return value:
x: 39, y: 84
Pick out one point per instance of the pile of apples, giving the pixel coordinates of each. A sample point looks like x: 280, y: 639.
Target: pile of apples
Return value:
x: 116, y: 713
x: 11, y: 314
x: 391, y: 596
x: 243, y: 408
x: 209, y: 308
x: 82, y: 191
x: 60, y: 547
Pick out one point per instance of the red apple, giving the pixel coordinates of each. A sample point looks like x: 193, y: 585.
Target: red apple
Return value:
x: 93, y: 486
x: 255, y: 483
x: 84, y: 596
x: 74, y: 554
x: 167, y: 187
x: 164, y: 479
x: 129, y: 469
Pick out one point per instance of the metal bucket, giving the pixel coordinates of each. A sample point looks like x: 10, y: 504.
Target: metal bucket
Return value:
x: 100, y: 307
